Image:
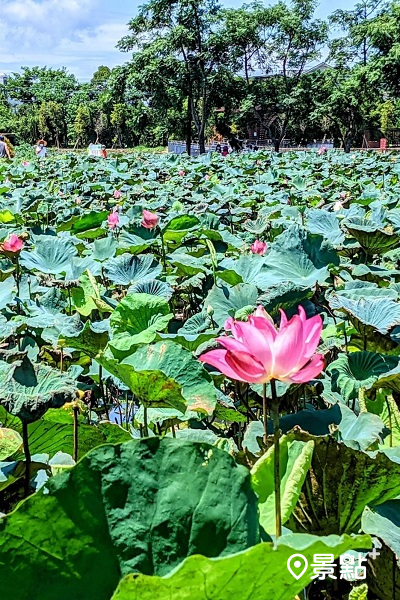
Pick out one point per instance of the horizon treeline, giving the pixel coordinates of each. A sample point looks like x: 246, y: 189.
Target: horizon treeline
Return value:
x: 197, y: 70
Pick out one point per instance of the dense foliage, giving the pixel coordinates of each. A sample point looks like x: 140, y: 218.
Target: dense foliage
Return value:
x: 115, y: 277
x: 198, y: 70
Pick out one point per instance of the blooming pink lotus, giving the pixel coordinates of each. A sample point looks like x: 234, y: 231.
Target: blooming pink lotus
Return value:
x: 150, y: 220
x: 342, y: 195
x: 113, y: 220
x: 258, y: 352
x: 181, y: 172
x: 322, y: 150
x: 258, y: 247
x: 25, y: 163
x: 117, y: 194
x: 207, y: 177
x: 13, y: 244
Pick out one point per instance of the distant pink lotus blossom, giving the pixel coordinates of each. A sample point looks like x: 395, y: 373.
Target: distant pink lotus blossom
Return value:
x: 117, y: 194
x: 206, y: 177
x: 322, y: 150
x: 113, y: 220
x: 25, y: 163
x: 13, y: 244
x: 60, y: 193
x: 78, y: 201
x: 258, y: 352
x: 342, y: 195
x: 181, y: 172
x: 258, y: 247
x: 150, y: 220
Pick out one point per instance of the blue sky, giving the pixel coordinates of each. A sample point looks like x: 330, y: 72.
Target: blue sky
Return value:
x: 77, y: 34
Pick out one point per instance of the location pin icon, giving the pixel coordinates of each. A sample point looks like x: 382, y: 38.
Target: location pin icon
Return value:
x: 297, y: 565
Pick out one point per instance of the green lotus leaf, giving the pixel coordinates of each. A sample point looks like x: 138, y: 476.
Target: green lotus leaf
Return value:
x: 245, y: 269
x: 10, y: 442
x: 383, y: 521
x: 253, y: 571
x: 27, y: 390
x: 359, y: 432
x: 136, y: 320
x: 164, y: 375
x: 153, y: 287
x: 226, y: 300
x: 371, y: 237
x: 126, y: 268
x: 142, y: 506
x: 326, y: 224
x: 359, y: 370
x: 51, y: 255
x: 380, y: 313
x: 295, y: 460
x: 258, y: 226
x: 341, y: 482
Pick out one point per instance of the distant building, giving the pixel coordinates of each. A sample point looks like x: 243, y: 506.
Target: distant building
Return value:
x: 3, y: 78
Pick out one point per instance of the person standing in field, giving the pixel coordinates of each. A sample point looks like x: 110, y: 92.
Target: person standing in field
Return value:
x: 4, y: 151
x: 41, y: 149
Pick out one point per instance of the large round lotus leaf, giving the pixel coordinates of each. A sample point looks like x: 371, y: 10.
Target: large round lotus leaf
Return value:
x: 164, y: 375
x: 341, y: 482
x: 259, y: 573
x: 142, y: 506
x: 350, y: 372
x: 51, y: 255
x: 28, y: 390
x: 136, y: 320
x: 373, y: 239
x: 126, y: 268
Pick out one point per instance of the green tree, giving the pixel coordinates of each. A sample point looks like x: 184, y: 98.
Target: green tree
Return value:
x: 186, y: 33
x: 279, y: 43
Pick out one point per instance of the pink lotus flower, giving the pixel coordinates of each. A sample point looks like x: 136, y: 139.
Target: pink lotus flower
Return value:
x: 258, y: 247
x: 113, y: 220
x: 117, y: 194
x: 25, y: 163
x: 150, y: 220
x: 60, y: 193
x: 207, y: 177
x: 342, y: 195
x: 78, y: 201
x: 181, y: 172
x: 322, y: 150
x: 13, y: 244
x: 258, y: 352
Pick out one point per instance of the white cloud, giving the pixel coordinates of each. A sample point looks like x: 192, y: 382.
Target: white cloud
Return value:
x: 28, y: 21
x: 77, y: 34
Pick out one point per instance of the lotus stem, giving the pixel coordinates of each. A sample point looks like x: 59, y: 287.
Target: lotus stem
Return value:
x: 163, y: 252
x: 145, y: 424
x: 265, y: 416
x: 103, y: 395
x: 76, y: 412
x: 277, y: 477
x: 28, y: 460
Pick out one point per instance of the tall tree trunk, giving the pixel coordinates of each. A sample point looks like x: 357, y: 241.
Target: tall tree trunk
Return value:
x: 188, y: 129
x: 202, y: 142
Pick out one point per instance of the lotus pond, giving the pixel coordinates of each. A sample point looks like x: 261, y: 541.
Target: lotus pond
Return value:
x: 166, y: 324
